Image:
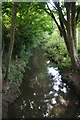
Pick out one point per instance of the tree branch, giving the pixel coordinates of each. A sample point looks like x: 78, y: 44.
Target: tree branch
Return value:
x: 61, y: 14
x: 68, y: 11
x: 73, y: 21
x: 51, y: 14
x: 77, y: 16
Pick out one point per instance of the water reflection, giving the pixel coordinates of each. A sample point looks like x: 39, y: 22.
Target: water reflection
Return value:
x: 53, y: 71
x: 43, y: 94
x: 56, y: 80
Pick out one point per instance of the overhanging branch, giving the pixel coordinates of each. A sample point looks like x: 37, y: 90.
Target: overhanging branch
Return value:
x: 61, y: 14
x: 52, y: 15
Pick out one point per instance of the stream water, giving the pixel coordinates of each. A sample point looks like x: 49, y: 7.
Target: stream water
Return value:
x: 43, y: 93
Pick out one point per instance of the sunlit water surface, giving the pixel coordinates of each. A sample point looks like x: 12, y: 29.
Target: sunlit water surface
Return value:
x: 43, y: 94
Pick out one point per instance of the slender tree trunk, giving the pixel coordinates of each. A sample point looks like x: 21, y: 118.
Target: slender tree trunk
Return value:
x: 8, y: 60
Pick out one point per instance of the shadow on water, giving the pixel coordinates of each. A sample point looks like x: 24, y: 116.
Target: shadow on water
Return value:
x: 43, y: 94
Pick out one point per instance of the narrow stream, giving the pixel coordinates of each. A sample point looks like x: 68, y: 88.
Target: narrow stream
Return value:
x: 43, y: 94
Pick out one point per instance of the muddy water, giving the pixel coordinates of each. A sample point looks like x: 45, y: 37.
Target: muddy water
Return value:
x: 43, y: 94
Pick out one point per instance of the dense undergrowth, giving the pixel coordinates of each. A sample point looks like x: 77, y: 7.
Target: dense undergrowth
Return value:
x: 56, y: 51
x: 17, y: 68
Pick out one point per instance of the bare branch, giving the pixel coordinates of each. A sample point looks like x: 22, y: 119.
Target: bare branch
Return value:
x: 61, y: 14
x: 52, y: 15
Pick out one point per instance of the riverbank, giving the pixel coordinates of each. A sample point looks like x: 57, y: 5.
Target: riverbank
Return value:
x: 10, y: 91
x: 72, y: 78
x: 7, y: 98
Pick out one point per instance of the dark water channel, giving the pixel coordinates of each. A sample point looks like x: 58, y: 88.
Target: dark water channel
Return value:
x: 43, y: 94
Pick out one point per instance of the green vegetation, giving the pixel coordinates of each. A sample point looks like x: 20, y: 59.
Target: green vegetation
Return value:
x: 17, y: 68
x: 32, y: 24
x: 56, y: 50
x: 30, y: 30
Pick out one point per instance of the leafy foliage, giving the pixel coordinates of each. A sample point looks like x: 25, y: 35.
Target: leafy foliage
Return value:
x: 56, y: 50
x: 17, y: 69
x: 33, y: 27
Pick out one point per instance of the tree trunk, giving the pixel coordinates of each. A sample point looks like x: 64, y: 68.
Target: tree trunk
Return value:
x: 8, y: 60
x: 69, y: 34
x: 73, y: 53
